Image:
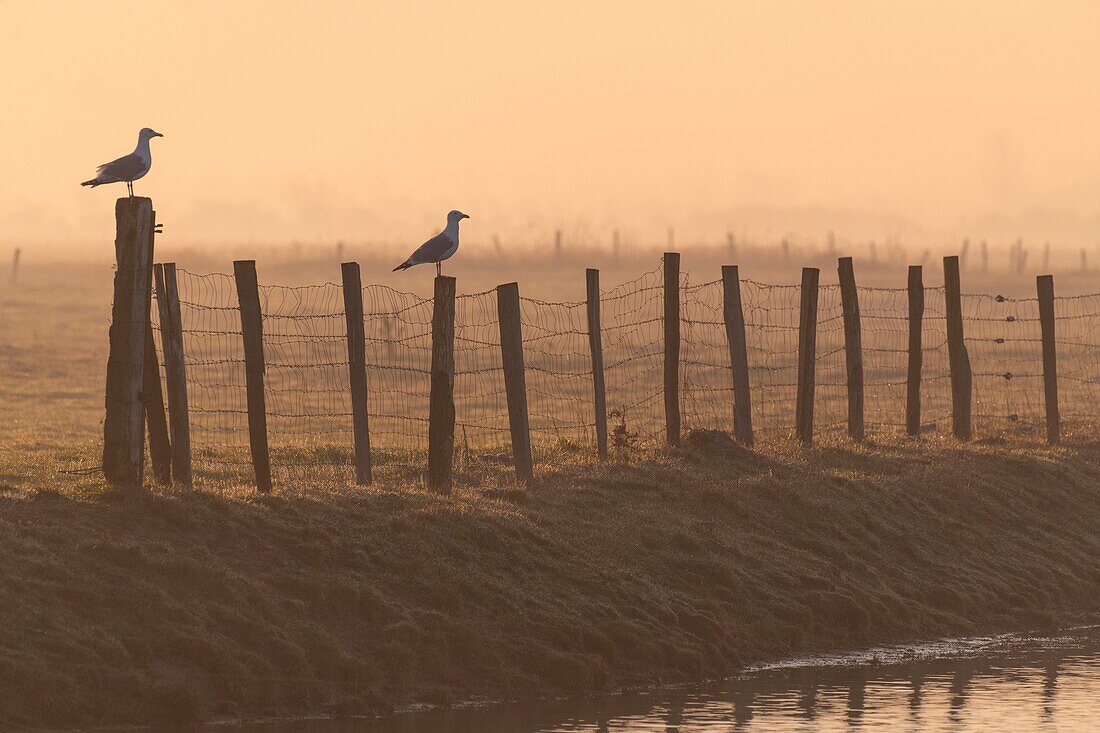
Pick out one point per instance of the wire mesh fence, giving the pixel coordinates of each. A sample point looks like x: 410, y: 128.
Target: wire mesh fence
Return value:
x: 308, y: 395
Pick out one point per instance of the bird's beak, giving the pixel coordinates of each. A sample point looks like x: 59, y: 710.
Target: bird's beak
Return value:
x: 465, y: 216
x: 157, y: 134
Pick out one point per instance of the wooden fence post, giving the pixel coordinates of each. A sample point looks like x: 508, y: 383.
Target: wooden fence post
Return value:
x: 916, y: 355
x: 853, y: 348
x: 1045, y: 286
x: 441, y: 410
x: 124, y: 424
x: 515, y: 382
x: 357, y: 369
x: 807, y: 345
x: 672, y: 347
x: 595, y: 347
x: 734, y: 316
x: 252, y: 331
x: 160, y: 448
x: 961, y: 377
x: 175, y: 371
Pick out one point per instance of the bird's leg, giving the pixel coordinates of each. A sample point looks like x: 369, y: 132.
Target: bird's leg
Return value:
x: 439, y: 269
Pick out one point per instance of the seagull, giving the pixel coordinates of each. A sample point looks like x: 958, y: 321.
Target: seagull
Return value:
x: 439, y: 247
x: 128, y: 168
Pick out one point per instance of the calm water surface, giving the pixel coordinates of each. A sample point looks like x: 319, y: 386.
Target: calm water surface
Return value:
x: 1006, y: 683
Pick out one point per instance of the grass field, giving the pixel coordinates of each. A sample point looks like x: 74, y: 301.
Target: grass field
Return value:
x: 674, y: 566
x: 659, y: 566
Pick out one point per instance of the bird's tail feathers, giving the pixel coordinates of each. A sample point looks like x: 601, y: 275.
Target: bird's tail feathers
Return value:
x: 403, y: 266
x: 93, y: 183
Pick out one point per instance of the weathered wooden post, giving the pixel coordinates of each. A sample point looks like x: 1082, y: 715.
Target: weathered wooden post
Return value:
x: 733, y: 315
x: 160, y: 448
x: 916, y: 354
x: 853, y: 347
x: 124, y: 425
x: 1045, y: 286
x: 175, y: 371
x: 595, y: 347
x: 959, y: 359
x: 672, y: 347
x: 357, y: 369
x: 441, y: 410
x: 807, y: 347
x: 252, y: 332
x: 515, y: 382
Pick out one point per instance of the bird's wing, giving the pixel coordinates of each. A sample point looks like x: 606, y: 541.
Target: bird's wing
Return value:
x: 432, y: 250
x: 125, y: 168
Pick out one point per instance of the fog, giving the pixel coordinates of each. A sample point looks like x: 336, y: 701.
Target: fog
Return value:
x: 315, y: 122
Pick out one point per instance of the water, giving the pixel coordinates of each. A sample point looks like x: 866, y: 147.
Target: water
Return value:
x: 1006, y: 683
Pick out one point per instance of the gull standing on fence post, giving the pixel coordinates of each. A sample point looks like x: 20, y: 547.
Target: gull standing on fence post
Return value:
x: 128, y: 168
x: 439, y: 247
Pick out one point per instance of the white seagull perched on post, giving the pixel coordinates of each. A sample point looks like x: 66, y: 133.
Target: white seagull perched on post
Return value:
x: 128, y: 168
x: 439, y: 247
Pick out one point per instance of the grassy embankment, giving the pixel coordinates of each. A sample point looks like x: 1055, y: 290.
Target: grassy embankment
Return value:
x: 672, y: 567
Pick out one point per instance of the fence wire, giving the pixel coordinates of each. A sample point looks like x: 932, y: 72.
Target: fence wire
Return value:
x: 308, y: 395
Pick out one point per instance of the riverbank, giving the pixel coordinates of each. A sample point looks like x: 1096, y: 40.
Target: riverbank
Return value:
x: 675, y: 566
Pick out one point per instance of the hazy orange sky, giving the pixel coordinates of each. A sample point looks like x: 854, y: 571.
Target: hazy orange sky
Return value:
x: 367, y: 121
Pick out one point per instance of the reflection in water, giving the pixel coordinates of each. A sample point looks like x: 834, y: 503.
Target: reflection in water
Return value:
x: 675, y: 715
x: 917, y: 682
x: 1050, y: 686
x: 857, y: 689
x: 959, y: 685
x: 742, y: 707
x: 1004, y: 683
x: 808, y: 699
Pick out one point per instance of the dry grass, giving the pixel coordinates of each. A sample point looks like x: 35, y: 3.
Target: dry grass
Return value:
x: 673, y: 566
x: 659, y: 566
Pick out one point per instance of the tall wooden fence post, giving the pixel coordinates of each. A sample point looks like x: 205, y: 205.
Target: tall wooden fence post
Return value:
x: 734, y: 317
x: 853, y: 348
x: 160, y: 448
x: 515, y: 382
x: 441, y: 410
x: 357, y: 369
x: 595, y: 348
x: 124, y: 424
x: 252, y: 332
x: 1045, y: 286
x: 672, y: 347
x: 916, y: 355
x: 959, y: 359
x: 175, y: 371
x: 807, y: 347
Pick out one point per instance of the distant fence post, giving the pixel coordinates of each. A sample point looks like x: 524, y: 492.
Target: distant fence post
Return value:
x: 961, y: 377
x: 441, y: 410
x: 734, y: 317
x: 853, y: 347
x: 175, y: 370
x: 1045, y: 286
x: 124, y: 424
x: 595, y: 347
x: 672, y: 347
x: 916, y: 355
x: 357, y: 369
x: 807, y: 346
x: 252, y: 331
x: 160, y: 448
x: 515, y: 382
